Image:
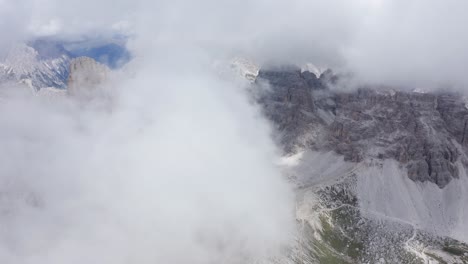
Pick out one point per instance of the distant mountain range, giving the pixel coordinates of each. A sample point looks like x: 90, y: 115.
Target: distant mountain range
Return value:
x: 42, y: 63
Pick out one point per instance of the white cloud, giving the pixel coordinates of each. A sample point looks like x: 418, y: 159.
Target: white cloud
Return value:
x: 421, y: 43
x: 417, y: 43
x: 52, y: 27
x: 180, y: 171
x: 181, y: 168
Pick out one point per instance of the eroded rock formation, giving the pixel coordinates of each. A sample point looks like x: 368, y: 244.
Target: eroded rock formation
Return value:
x: 86, y: 78
x: 425, y: 132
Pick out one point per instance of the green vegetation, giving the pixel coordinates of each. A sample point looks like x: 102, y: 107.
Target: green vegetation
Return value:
x: 335, y: 247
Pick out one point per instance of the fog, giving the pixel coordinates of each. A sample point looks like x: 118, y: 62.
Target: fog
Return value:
x: 421, y: 43
x: 180, y: 166
x: 418, y: 43
x: 177, y: 168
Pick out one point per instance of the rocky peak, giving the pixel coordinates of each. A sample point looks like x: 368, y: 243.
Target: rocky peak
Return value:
x: 314, y: 69
x: 22, y: 59
x: 86, y: 77
x: 23, y: 62
x: 245, y: 68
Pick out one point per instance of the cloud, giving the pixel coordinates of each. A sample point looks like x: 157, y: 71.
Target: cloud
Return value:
x: 417, y: 43
x: 51, y: 28
x: 421, y: 43
x: 180, y: 169
x: 12, y: 28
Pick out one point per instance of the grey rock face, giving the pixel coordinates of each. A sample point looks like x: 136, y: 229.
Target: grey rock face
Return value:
x: 288, y: 103
x: 86, y: 78
x: 426, y: 133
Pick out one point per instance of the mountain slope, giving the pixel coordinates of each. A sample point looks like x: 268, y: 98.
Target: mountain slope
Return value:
x: 25, y: 63
x: 380, y: 174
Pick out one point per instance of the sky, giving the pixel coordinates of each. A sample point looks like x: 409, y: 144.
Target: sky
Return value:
x: 180, y: 167
x: 417, y: 43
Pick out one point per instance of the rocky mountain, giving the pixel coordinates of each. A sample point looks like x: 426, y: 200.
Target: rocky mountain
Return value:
x: 45, y: 63
x: 425, y: 132
x: 86, y: 80
x: 380, y: 173
x: 24, y: 63
x: 86, y: 76
x: 244, y: 68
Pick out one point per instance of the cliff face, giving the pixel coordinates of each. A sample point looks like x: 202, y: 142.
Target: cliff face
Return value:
x: 86, y: 78
x: 426, y: 133
x: 380, y: 174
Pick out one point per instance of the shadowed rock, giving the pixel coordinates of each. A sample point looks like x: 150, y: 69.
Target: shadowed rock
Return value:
x: 426, y: 133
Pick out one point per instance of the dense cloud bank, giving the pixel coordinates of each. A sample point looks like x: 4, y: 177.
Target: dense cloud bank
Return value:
x: 179, y: 168
x: 419, y: 43
x: 175, y: 166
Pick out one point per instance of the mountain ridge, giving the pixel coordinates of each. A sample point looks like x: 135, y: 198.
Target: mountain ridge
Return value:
x: 380, y: 174
x: 46, y: 62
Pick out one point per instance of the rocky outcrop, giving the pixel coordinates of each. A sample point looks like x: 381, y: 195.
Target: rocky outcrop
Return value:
x: 407, y: 127
x: 289, y: 103
x: 427, y: 133
x: 86, y: 78
x: 244, y: 68
x: 24, y: 63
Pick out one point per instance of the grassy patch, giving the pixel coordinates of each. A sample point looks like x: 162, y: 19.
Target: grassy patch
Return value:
x: 335, y: 237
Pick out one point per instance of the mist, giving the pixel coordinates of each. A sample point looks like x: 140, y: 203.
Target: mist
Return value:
x: 180, y: 166
x: 419, y: 44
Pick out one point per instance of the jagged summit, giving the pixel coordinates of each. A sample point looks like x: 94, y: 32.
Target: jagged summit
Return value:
x: 86, y: 75
x: 245, y: 68
x: 425, y: 132
x: 85, y: 81
x: 25, y: 63
x: 316, y: 70
x: 45, y: 62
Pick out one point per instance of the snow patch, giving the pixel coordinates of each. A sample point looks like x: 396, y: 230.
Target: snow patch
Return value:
x: 22, y: 62
x: 420, y: 90
x: 313, y: 69
x: 245, y: 68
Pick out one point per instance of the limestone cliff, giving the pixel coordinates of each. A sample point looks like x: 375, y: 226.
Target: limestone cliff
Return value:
x: 86, y: 78
x: 424, y: 132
